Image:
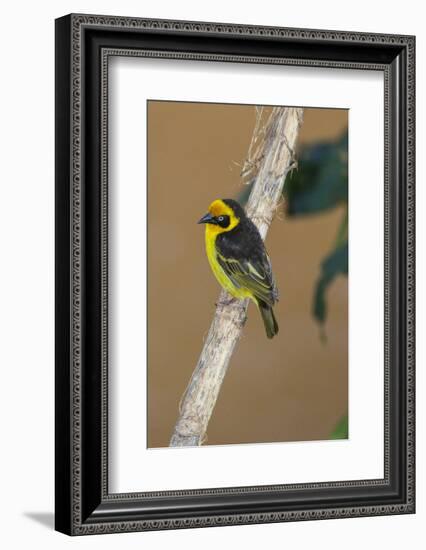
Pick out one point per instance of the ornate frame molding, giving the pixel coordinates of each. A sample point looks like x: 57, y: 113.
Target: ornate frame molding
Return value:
x: 72, y: 47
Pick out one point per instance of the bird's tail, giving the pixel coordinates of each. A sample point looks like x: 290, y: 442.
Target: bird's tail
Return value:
x: 271, y: 325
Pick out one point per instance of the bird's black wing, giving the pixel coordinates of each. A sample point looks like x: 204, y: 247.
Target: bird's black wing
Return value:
x: 245, y: 261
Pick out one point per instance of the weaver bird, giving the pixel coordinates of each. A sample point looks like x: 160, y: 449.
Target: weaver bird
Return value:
x: 238, y: 258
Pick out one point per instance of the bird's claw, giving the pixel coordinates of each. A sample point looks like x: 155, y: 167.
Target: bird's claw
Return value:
x: 225, y: 302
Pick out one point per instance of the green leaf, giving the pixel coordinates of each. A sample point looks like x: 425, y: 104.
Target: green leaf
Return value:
x: 341, y: 430
x: 334, y: 264
x: 342, y: 234
x: 321, y: 179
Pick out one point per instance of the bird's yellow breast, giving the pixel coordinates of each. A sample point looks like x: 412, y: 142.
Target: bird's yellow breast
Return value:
x: 223, y: 279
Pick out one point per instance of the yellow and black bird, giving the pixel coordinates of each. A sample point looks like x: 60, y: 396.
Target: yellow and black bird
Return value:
x: 238, y: 258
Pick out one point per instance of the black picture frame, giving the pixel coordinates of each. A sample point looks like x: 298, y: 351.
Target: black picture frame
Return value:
x: 83, y: 45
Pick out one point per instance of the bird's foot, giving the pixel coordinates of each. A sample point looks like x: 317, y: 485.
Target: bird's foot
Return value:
x: 225, y: 302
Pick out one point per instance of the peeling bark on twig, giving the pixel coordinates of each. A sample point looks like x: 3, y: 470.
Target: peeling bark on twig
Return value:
x: 272, y: 148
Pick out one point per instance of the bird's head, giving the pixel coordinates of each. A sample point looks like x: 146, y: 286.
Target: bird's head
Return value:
x: 223, y: 215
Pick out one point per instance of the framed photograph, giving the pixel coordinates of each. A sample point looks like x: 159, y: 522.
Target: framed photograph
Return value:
x: 234, y: 274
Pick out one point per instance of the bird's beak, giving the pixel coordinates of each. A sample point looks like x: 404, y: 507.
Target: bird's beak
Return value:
x: 208, y: 218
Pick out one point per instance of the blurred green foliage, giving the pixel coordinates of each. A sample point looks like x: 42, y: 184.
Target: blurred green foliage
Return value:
x: 341, y: 430
x: 320, y: 183
x: 321, y: 180
x: 334, y: 264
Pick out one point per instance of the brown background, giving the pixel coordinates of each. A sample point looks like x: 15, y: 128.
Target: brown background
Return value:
x: 291, y: 388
